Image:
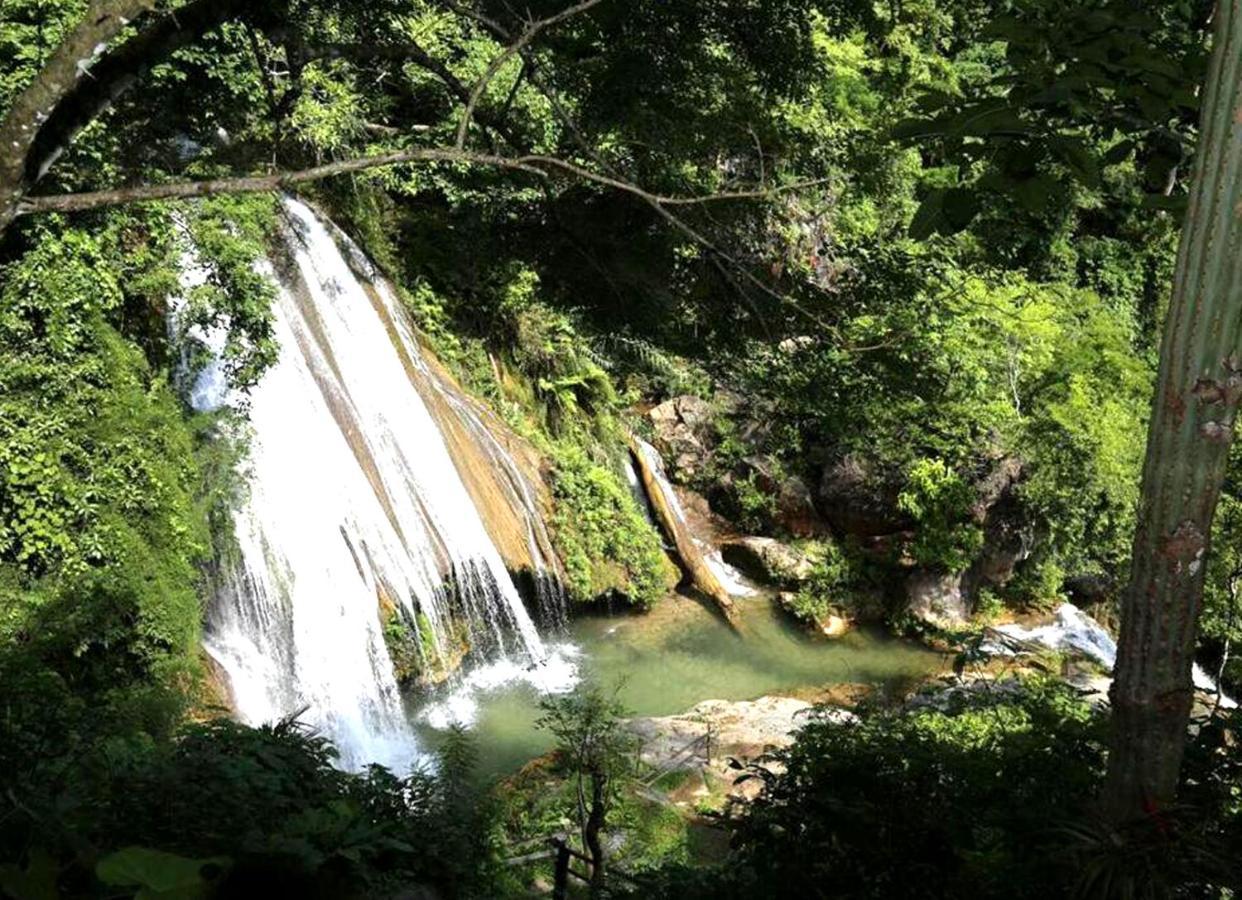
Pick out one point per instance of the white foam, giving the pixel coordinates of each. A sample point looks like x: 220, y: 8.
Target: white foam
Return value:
x: 557, y: 674
x: 1073, y: 629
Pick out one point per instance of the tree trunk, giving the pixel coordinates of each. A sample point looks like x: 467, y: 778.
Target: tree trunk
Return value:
x: 595, y: 825
x: 67, y: 66
x: 1191, y: 427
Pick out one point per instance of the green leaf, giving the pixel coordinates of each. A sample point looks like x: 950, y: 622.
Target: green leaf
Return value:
x: 987, y: 119
x: 1176, y: 204
x: 910, y: 129
x: 926, y: 221
x: 961, y: 205
x: 1119, y: 153
x: 36, y: 882
x: 161, y: 875
x: 1035, y: 194
x: 1077, y: 158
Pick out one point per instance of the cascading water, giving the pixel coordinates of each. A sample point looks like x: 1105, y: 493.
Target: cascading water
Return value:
x: 355, y: 501
x: 729, y: 578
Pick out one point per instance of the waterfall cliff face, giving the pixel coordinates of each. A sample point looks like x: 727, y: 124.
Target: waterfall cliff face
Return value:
x: 375, y: 485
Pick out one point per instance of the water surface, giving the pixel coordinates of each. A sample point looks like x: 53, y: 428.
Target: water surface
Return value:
x: 674, y: 657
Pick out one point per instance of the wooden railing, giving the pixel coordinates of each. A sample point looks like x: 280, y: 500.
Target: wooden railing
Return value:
x: 682, y: 756
x: 564, y: 854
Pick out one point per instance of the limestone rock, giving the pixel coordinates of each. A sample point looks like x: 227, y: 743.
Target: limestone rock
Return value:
x: 1007, y: 537
x: 682, y: 434
x: 795, y: 508
x: 739, y: 728
x: 937, y: 598
x: 854, y: 499
x: 768, y: 559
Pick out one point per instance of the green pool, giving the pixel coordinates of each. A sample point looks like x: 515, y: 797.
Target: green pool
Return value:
x: 668, y: 660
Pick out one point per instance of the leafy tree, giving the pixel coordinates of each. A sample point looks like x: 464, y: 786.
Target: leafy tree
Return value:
x: 594, y: 747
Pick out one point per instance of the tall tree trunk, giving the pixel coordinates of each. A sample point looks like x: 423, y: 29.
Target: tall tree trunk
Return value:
x: 1192, y: 421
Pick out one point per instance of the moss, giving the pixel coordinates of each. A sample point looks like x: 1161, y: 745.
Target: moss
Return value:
x: 605, y: 542
x: 412, y: 648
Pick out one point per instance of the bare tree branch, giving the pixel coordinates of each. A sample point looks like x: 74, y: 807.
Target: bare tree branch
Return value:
x: 253, y: 184
x: 528, y: 35
x: 534, y: 164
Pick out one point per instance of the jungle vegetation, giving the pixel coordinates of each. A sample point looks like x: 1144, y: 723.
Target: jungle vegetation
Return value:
x: 916, y: 238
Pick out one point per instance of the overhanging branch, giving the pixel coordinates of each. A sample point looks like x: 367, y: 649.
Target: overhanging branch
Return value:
x: 533, y: 164
x: 22, y: 125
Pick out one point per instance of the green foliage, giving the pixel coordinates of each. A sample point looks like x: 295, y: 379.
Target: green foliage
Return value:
x: 939, y: 501
x: 99, y: 524
x: 972, y: 795
x: 589, y: 730
x: 605, y: 542
x: 829, y: 589
x: 1221, y: 621
x: 156, y: 874
x: 1080, y: 87
x: 554, y: 358
x: 270, y: 811
x: 228, y: 235
x: 416, y: 657
x: 755, y: 506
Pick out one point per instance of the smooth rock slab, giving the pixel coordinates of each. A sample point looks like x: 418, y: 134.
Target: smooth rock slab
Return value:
x: 739, y: 728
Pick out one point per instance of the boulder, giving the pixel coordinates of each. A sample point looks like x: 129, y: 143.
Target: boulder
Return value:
x: 769, y: 560
x: 683, y: 434
x: 1007, y: 537
x: 794, y: 506
x: 995, y: 486
x: 829, y: 625
x: 739, y: 728
x: 795, y: 509
x: 937, y: 598
x: 855, y: 499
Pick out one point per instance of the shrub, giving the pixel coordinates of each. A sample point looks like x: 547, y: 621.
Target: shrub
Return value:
x: 939, y: 500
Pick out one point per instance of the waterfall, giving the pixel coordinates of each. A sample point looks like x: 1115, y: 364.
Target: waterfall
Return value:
x: 701, y: 556
x: 370, y: 479
x: 1074, y: 630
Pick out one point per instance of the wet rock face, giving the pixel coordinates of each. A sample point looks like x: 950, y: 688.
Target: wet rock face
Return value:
x: 769, y: 560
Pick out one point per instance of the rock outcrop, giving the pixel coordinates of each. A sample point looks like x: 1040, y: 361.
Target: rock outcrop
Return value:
x: 742, y: 729
x: 769, y: 560
x: 855, y: 501
x: 683, y: 434
x: 937, y: 598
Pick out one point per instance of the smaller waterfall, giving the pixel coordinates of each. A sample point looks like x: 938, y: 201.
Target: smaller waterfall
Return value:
x: 1073, y: 629
x: 711, y: 573
x: 362, y: 498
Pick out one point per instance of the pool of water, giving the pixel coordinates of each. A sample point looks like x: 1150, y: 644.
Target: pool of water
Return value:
x: 665, y: 662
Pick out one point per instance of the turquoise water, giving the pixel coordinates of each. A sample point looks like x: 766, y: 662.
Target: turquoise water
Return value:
x: 681, y: 654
